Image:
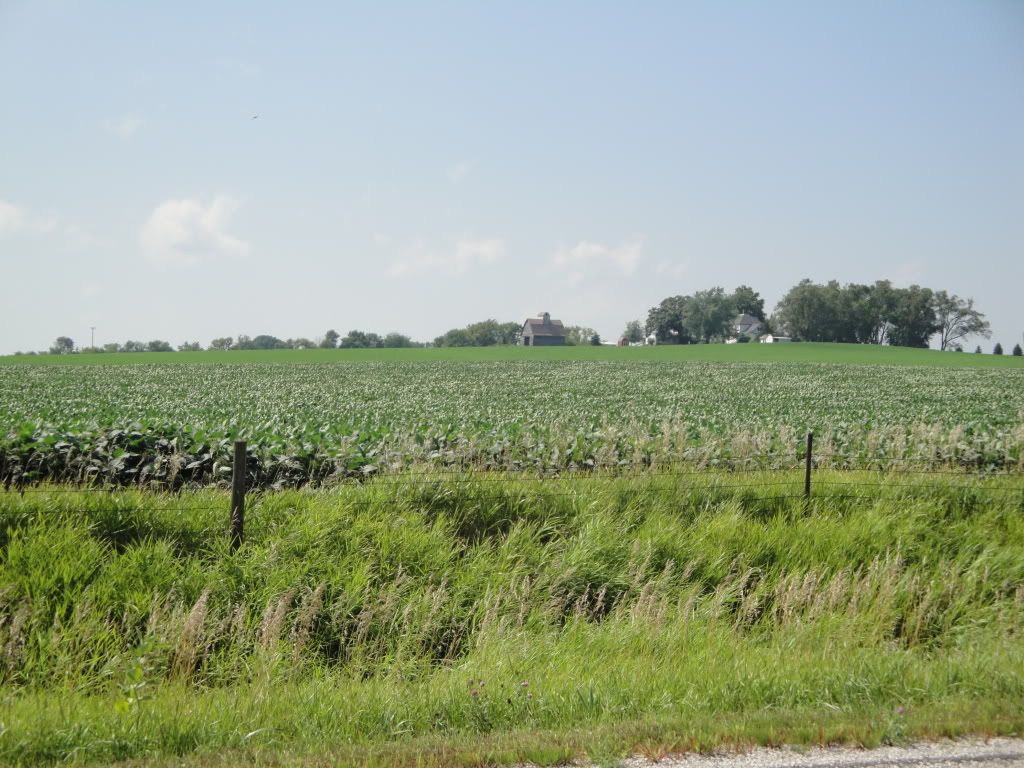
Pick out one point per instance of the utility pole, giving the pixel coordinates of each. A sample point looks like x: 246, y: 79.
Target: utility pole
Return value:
x: 92, y: 336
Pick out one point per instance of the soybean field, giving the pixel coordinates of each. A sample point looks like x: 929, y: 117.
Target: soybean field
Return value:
x: 320, y: 422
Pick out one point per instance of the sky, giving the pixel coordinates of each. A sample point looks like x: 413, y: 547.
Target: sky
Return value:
x: 190, y: 170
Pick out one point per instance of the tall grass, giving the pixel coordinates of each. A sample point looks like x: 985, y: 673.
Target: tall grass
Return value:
x: 476, y: 607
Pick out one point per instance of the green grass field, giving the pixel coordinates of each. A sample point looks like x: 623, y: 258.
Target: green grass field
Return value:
x: 861, y: 354
x: 487, y: 620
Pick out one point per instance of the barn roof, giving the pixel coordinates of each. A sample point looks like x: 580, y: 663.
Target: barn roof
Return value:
x: 539, y: 328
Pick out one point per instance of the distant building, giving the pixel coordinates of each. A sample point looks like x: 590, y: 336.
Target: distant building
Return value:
x: 747, y: 325
x: 771, y: 338
x: 542, y: 332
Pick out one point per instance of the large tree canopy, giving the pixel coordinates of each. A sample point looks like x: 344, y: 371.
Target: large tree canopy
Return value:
x: 486, y: 333
x: 665, y: 321
x: 957, y: 319
x: 877, y: 314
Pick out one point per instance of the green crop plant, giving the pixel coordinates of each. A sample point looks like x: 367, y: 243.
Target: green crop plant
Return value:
x: 173, y: 425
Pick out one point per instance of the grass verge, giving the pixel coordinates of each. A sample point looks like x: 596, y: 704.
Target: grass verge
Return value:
x: 495, y: 620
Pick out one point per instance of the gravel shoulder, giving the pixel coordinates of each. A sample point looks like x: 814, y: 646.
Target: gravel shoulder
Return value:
x: 991, y: 753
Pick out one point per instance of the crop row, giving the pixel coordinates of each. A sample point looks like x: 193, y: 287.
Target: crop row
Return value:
x: 323, y: 422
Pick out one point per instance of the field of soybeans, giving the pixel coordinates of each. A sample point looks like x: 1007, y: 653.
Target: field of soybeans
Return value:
x: 320, y: 423
x: 486, y: 560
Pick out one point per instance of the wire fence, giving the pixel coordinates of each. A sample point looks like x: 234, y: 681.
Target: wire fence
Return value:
x: 806, y: 476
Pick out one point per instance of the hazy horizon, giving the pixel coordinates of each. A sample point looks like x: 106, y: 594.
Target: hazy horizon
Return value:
x: 191, y: 172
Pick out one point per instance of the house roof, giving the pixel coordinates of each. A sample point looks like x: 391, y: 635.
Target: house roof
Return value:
x: 746, y: 319
x: 539, y: 328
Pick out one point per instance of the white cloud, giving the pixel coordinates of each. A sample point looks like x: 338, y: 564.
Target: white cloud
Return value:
x: 15, y: 219
x: 183, y: 232
x: 586, y: 257
x: 12, y: 217
x: 672, y: 268
x: 467, y: 253
x: 459, y: 171
x: 125, y: 127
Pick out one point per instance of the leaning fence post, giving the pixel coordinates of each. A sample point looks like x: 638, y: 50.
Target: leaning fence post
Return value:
x: 237, y: 531
x: 808, y: 460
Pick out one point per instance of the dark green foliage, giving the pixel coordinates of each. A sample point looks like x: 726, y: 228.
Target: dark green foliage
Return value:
x: 997, y: 349
x: 634, y: 333
x: 667, y: 321
x: 876, y: 314
x: 748, y: 301
x: 1017, y: 352
x: 330, y: 340
x: 360, y: 340
x: 63, y: 345
x: 486, y: 333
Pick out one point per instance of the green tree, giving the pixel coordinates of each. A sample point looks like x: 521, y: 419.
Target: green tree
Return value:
x: 221, y: 344
x: 957, y: 319
x: 634, y: 333
x: 456, y: 337
x: 330, y: 340
x: 157, y: 345
x: 264, y: 341
x: 747, y: 301
x: 666, y: 321
x: 189, y: 346
x: 300, y: 343
x: 977, y: 350
x: 997, y: 349
x: 1017, y: 351
x: 808, y: 312
x: 112, y: 347
x: 912, y: 322
x: 708, y: 314
x: 486, y: 333
x: 595, y: 340
x: 863, y: 312
x: 62, y: 345
x: 397, y: 340
x: 134, y: 346
x: 360, y: 340
x: 578, y: 335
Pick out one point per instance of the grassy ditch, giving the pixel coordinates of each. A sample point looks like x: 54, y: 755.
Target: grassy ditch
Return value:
x: 498, y: 619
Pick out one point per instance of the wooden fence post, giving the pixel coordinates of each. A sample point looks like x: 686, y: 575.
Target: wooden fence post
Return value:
x: 808, y: 459
x: 237, y: 531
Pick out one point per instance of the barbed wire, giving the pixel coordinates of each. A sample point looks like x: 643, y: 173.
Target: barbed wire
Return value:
x: 469, y: 472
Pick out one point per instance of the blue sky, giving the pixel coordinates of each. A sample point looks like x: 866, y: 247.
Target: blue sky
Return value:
x: 414, y: 167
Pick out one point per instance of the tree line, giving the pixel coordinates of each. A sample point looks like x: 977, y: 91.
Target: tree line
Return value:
x: 485, y: 333
x: 852, y: 313
x: 490, y: 333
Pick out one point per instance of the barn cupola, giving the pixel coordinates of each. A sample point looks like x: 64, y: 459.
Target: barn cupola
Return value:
x: 547, y: 318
